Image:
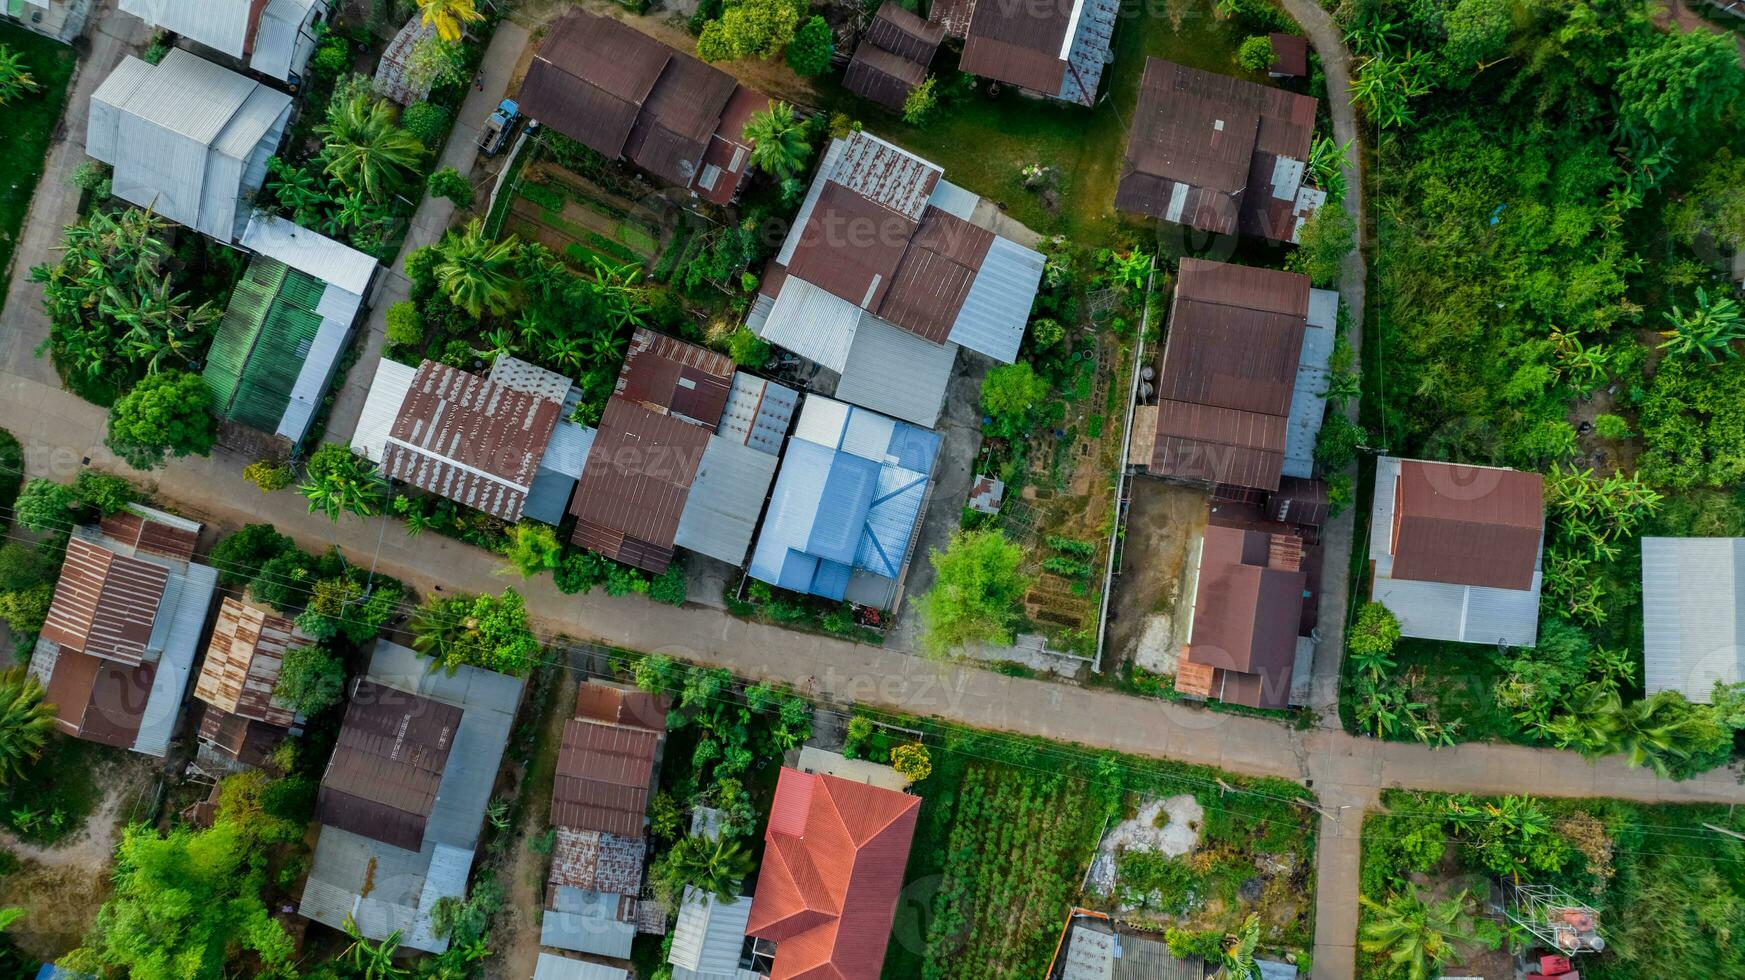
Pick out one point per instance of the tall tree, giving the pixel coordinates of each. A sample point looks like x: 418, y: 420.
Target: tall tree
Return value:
x: 1414, y: 936
x: 25, y: 721
x: 779, y: 146
x: 715, y: 867
x: 977, y: 594
x: 165, y: 414
x: 366, y: 150
x: 475, y: 272
x: 449, y: 17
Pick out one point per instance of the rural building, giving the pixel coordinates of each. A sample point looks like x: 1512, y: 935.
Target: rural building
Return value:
x: 606, y: 769
x: 243, y: 720
x: 709, y: 941
x: 551, y: 966
x: 290, y: 320
x: 627, y: 96
x: 1241, y: 380
x: 272, y: 37
x: 684, y: 457
x: 1094, y: 951
x: 403, y: 799
x: 1693, y: 633
x: 188, y: 139
x: 118, y: 646
x: 892, y: 57
x: 1056, y: 50
x: 503, y: 444
x: 1290, y: 56
x: 847, y: 505
x: 883, y: 277
x: 1219, y: 154
x: 62, y: 20
x: 1455, y: 550
x: 392, y: 81
x: 832, y: 869
x: 1249, y: 591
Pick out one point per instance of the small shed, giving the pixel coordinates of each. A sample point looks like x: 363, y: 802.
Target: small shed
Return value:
x: 393, y: 80
x: 987, y: 494
x: 1290, y: 56
x: 893, y: 56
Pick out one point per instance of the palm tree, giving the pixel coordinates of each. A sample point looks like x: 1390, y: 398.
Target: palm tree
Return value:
x: 374, y: 960
x: 476, y: 272
x: 366, y: 148
x: 1414, y: 936
x: 14, y: 80
x: 1708, y: 329
x: 716, y: 867
x: 342, y: 482
x: 1236, y: 962
x: 449, y: 17
x: 778, y: 141
x: 25, y: 721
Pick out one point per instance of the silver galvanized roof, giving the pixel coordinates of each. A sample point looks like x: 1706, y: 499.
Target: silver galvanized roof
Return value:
x: 758, y: 413
x: 187, y: 599
x: 584, y: 933
x: 893, y: 371
x: 382, y: 407
x: 281, y: 45
x: 1442, y: 610
x: 1090, y: 954
x: 554, y: 967
x: 218, y: 24
x: 308, y: 252
x: 954, y: 200
x: 1693, y: 634
x: 812, y: 322
x: 998, y: 305
x: 514, y: 373
x: 726, y: 498
x: 1308, y: 402
x: 709, y: 934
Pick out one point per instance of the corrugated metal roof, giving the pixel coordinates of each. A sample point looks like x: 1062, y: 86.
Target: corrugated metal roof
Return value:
x: 257, y: 357
x: 726, y: 498
x: 194, y: 587
x: 893, y: 371
x: 1088, y: 51
x: 1090, y: 953
x: 282, y: 44
x: 633, y: 489
x: 242, y: 662
x: 997, y: 308
x: 812, y: 323
x: 391, y: 80
x: 553, y: 967
x: 1247, y: 609
x: 105, y: 603
x: 681, y: 113
x: 518, y: 375
x: 604, y: 772
x: 304, y: 250
x: 220, y: 24
x: 1691, y: 624
x: 1308, y: 401
x: 709, y: 933
x: 952, y: 199
x: 1019, y: 44
x: 1467, y: 525
x: 590, y: 78
x: 381, y: 410
x: 882, y: 77
x: 381, y: 780
x: 586, y: 934
x: 667, y: 375
x: 758, y: 413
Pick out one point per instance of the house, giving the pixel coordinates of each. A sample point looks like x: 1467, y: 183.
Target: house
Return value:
x: 1249, y: 590
x: 709, y: 941
x: 1054, y: 50
x: 686, y: 450
x: 62, y: 20
x: 1290, y: 55
x: 892, y: 57
x: 883, y: 276
x: 847, y: 504
x: 118, y: 646
x: 1094, y: 951
x: 289, y: 323
x: 188, y: 139
x: 1241, y: 380
x: 1455, y: 550
x: 271, y: 37
x: 599, y: 805
x: 832, y: 869
x: 502, y: 444
x: 243, y: 719
x: 629, y: 97
x: 404, y: 796
x: 1218, y: 154
x: 550, y: 966
x: 392, y: 81
x: 1693, y: 634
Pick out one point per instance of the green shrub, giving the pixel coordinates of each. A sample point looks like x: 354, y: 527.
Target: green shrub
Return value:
x: 426, y: 121
x: 310, y: 680
x: 238, y: 556
x: 810, y: 51
x: 90, y: 175
x: 747, y: 349
x: 332, y: 57
x: 669, y: 587
x: 405, y: 325
x: 1256, y: 53
x: 580, y: 572
x: 449, y: 183
x: 549, y: 198
x: 1611, y: 427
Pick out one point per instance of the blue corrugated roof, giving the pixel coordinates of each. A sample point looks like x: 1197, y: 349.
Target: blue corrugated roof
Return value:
x: 914, y: 448
x: 831, y: 581
x: 842, y: 507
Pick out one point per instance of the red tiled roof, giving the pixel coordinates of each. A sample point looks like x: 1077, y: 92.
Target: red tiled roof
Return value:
x: 1467, y: 525
x: 105, y: 603
x: 832, y: 870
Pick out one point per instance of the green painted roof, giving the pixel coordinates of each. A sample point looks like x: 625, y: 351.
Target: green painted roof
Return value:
x: 262, y: 343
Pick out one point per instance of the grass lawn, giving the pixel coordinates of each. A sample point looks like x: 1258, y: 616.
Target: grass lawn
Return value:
x: 57, y: 793
x: 982, y: 142
x: 29, y: 123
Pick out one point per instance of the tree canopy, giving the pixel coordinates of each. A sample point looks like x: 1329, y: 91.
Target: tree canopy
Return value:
x: 165, y: 414
x: 977, y: 594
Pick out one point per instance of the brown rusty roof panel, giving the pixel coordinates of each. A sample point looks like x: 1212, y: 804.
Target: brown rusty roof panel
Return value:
x: 619, y: 706
x: 1231, y: 357
x: 1290, y: 55
x: 681, y: 113
x: 242, y: 662
x: 99, y: 700
x: 634, y: 486
x: 382, y: 779
x: 590, y: 78
x: 667, y: 375
x: 1246, y: 614
x: 105, y: 603
x: 1218, y: 445
x: 851, y: 246
x: 469, y: 439
x: 886, y: 175
x: 1019, y: 43
x: 882, y: 77
x: 1194, y: 126
x: 1467, y: 525
x: 904, y: 34
x: 1147, y: 194
x: 1244, y: 286
x: 603, y: 777
x: 935, y: 274
x: 725, y: 162
x: 597, y: 862
x: 145, y: 534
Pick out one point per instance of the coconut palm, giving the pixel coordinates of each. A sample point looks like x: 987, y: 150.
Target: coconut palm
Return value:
x: 717, y: 867
x: 1709, y: 329
x: 366, y: 149
x: 14, y: 80
x: 1414, y: 936
x: 449, y: 17
x: 25, y: 721
x: 477, y: 273
x: 778, y: 141
x: 342, y: 482
x: 375, y: 961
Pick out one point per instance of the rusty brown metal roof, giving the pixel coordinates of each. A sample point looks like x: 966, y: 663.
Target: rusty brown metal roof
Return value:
x: 682, y: 112
x: 597, y: 862
x: 904, y: 34
x: 669, y: 376
x: 469, y: 439
x: 603, y: 777
x: 880, y: 76
x: 1247, y: 609
x: 886, y: 175
x: 590, y: 79
x: 242, y: 663
x: 105, y: 603
x: 145, y: 534
x: 1467, y: 525
x: 633, y: 489
x: 1290, y: 55
x: 729, y: 151
x: 244, y: 739
x: 382, y: 779
x: 1018, y: 43
x: 98, y: 700
x: 851, y: 246
x: 619, y: 706
x: 935, y: 274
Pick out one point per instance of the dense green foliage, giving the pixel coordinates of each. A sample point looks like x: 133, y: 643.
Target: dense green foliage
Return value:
x: 25, y: 722
x: 750, y: 29
x: 485, y: 631
x: 342, y: 482
x: 165, y: 414
x: 310, y: 680
x: 977, y: 594
x: 1012, y: 394
x: 810, y: 50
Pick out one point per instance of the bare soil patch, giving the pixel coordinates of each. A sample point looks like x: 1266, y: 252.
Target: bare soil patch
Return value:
x: 1163, y: 520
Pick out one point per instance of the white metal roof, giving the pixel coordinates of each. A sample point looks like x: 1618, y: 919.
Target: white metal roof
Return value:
x: 514, y: 373
x: 1692, y: 631
x: 554, y: 967
x: 218, y: 24
x: 281, y: 44
x: 995, y: 312
x: 1308, y: 396
x: 726, y: 498
x: 382, y: 407
x: 893, y: 371
x: 192, y: 587
x: 709, y: 934
x: 308, y: 252
x: 812, y: 322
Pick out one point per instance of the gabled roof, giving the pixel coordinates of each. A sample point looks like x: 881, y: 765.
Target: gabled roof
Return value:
x: 666, y: 375
x: 242, y: 663
x: 1229, y: 371
x: 382, y: 778
x: 266, y: 32
x: 472, y: 440
x: 634, y: 487
x: 832, y: 870
x: 1215, y: 152
x: 1693, y: 615
x: 605, y: 763
x: 105, y: 603
x: 1248, y: 606
x: 1467, y: 525
x: 1023, y: 45
x: 893, y: 56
